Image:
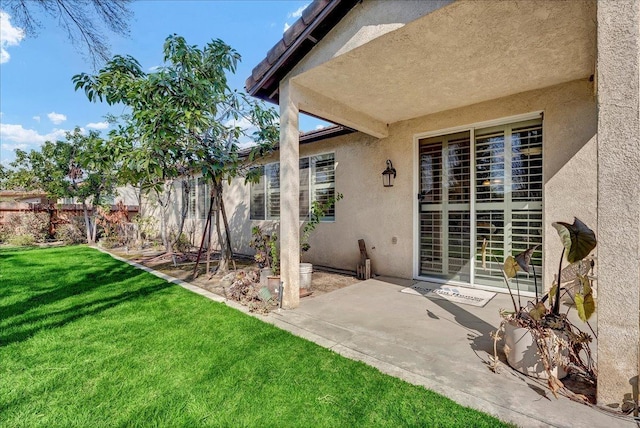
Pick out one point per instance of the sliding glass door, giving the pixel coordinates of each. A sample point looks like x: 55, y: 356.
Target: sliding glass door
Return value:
x: 480, y: 199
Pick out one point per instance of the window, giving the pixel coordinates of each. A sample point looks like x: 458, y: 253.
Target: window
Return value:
x: 317, y: 183
x: 189, y: 198
x: 196, y: 198
x: 204, y: 198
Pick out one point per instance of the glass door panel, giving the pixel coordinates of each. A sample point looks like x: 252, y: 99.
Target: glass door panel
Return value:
x: 445, y: 174
x: 508, y: 201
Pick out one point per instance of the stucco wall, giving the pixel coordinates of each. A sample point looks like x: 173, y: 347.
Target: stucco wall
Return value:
x: 619, y: 200
x: 377, y: 214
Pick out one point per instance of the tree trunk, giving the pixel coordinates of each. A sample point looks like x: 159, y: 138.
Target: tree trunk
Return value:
x: 183, y: 213
x: 87, y: 223
x: 163, y: 223
x: 229, y: 251
x: 94, y: 218
x: 223, y: 266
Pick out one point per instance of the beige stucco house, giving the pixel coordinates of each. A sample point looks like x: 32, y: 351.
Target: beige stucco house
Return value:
x: 499, y: 117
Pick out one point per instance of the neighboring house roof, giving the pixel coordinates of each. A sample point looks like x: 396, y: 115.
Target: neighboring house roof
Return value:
x: 316, y: 21
x: 312, y: 136
x: 19, y: 195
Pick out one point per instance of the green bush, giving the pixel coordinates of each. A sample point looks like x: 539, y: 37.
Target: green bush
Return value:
x: 183, y: 244
x: 73, y: 232
x: 21, y: 240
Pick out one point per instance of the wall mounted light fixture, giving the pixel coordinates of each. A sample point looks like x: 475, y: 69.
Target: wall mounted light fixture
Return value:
x: 388, y: 175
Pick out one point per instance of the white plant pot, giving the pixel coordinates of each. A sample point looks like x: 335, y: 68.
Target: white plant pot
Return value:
x: 264, y: 274
x: 306, y: 272
x: 522, y: 353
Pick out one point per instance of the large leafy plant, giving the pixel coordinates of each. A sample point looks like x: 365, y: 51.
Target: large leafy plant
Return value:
x: 542, y: 316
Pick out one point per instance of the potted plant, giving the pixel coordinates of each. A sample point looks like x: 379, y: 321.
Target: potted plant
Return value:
x: 318, y: 212
x: 541, y: 341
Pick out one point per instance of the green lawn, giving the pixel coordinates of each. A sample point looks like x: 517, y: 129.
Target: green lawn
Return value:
x: 88, y: 341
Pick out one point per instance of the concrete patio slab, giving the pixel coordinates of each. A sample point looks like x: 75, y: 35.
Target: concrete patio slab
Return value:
x: 438, y: 344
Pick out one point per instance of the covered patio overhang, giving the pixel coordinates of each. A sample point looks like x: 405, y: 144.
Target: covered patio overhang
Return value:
x: 458, y: 55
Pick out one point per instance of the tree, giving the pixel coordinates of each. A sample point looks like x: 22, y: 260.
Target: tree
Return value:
x: 184, y: 119
x: 85, y: 21
x: 81, y: 167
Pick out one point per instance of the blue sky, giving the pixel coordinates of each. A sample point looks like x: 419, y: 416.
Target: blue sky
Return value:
x: 37, y: 99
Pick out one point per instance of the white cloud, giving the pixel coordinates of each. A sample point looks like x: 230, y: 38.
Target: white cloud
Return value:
x: 9, y: 36
x: 295, y: 14
x: 98, y: 125
x: 36, y: 118
x: 153, y: 69
x: 56, y: 118
x: 298, y: 12
x: 20, y: 135
x: 12, y: 147
x: 244, y: 123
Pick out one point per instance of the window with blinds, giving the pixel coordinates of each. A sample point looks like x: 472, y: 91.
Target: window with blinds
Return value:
x: 204, y: 198
x: 317, y: 183
x: 481, y: 200
x: 445, y: 196
x: 189, y: 198
x: 272, y: 181
x: 257, y: 195
x: 509, y: 185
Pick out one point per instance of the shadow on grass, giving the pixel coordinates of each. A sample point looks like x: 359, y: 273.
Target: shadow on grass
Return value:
x: 27, y: 327
x: 48, y: 291
x: 90, y: 282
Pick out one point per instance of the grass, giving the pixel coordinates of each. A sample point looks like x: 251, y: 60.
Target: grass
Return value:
x: 87, y: 341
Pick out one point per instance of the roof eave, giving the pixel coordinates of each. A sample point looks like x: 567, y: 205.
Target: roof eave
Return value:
x: 316, y: 22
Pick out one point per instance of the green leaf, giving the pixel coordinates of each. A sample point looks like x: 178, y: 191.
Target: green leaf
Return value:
x: 585, y: 304
x: 577, y: 238
x: 510, y: 267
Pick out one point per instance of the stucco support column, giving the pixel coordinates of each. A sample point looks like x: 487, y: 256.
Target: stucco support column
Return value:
x: 289, y: 196
x: 618, y: 199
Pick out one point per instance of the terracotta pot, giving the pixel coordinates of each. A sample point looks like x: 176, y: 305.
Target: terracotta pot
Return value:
x: 522, y: 353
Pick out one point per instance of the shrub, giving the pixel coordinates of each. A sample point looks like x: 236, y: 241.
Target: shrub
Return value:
x: 35, y: 225
x: 22, y: 240
x: 73, y: 232
x: 109, y: 242
x: 183, y: 244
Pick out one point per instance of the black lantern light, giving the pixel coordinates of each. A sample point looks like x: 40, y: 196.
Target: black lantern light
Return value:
x: 388, y: 175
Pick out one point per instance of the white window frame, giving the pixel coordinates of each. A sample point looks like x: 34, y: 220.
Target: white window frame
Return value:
x: 311, y: 189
